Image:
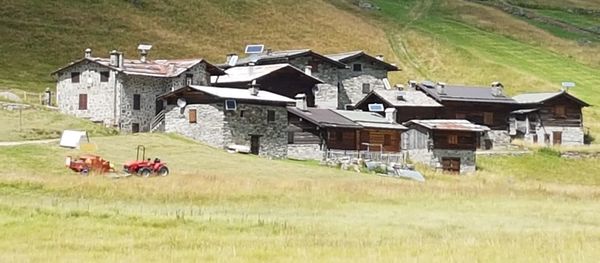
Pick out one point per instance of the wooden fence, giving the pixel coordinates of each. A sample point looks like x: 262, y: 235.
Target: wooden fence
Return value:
x: 376, y: 156
x: 39, y: 98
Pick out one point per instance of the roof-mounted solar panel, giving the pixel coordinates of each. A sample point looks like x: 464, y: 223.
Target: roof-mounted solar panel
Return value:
x: 254, y: 49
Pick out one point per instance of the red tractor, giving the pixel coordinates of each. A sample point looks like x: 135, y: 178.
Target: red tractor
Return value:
x: 87, y: 163
x: 145, y: 167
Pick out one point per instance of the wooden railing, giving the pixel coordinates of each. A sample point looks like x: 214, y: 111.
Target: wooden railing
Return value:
x: 158, y: 122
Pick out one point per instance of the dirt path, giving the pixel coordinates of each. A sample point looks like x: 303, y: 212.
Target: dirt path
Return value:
x: 5, y: 144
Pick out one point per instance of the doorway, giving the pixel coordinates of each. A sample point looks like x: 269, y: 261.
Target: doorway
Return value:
x: 556, y: 138
x: 159, y: 107
x: 451, y: 165
x: 255, y: 144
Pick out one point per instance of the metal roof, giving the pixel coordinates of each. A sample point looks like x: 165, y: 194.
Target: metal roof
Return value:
x: 279, y: 56
x: 524, y: 111
x: 324, y: 118
x: 233, y: 93
x: 349, y: 56
x: 153, y: 68
x: 250, y: 73
x: 452, y: 125
x: 370, y: 119
x: 537, y: 98
x: 464, y: 93
x: 410, y: 98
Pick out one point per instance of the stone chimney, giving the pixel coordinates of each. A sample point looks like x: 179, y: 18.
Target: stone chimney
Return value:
x: 88, y: 53
x: 231, y: 59
x: 254, y: 88
x: 390, y: 114
x: 301, y: 102
x: 380, y: 57
x: 440, y: 88
x: 308, y: 70
x: 497, y: 89
x: 121, y: 60
x: 114, y: 59
x: 143, y: 55
x: 412, y: 84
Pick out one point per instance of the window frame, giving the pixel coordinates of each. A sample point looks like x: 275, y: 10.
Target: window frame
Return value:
x: 75, y: 77
x: 357, y: 67
x: 104, y: 76
x: 189, y: 79
x: 137, y: 102
x: 368, y: 88
x: 270, y: 116
x: 453, y: 139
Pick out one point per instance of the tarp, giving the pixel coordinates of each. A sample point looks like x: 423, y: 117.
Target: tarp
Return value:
x: 73, y: 139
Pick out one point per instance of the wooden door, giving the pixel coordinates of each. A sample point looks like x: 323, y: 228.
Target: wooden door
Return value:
x: 254, y: 144
x: 451, y: 165
x: 556, y: 138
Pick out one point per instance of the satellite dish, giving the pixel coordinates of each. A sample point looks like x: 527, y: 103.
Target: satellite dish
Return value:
x: 181, y: 102
x: 315, y: 89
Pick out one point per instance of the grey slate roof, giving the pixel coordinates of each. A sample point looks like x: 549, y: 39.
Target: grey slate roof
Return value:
x: 324, y: 118
x: 452, y: 125
x: 250, y: 73
x: 464, y: 93
x: 537, y: 98
x: 349, y: 56
x: 282, y: 56
x: 370, y: 119
x: 410, y: 98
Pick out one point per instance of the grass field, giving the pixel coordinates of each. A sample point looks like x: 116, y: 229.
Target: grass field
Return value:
x: 286, y: 211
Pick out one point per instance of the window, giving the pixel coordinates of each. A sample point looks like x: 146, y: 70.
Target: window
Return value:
x: 314, y: 63
x: 83, y: 102
x: 559, y: 111
x: 136, y: 101
x: 357, y: 67
x: 290, y: 137
x: 453, y: 139
x: 387, y: 139
x: 135, y: 127
x: 230, y: 105
x: 192, y: 115
x: 242, y: 113
x: 270, y: 116
x: 104, y: 76
x: 75, y: 77
x: 488, y: 118
x: 366, y: 88
x: 189, y: 78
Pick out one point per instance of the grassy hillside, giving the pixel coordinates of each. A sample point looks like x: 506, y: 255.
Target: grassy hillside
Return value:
x: 287, y: 211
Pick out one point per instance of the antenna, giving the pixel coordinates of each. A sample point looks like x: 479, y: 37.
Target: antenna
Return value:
x: 181, y: 102
x: 254, y: 49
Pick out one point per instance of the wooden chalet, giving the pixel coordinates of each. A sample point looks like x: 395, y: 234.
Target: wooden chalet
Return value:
x: 409, y: 104
x: 377, y: 134
x: 552, y: 118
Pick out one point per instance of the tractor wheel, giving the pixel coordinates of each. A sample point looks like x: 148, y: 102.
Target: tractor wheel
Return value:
x: 145, y: 172
x: 163, y: 171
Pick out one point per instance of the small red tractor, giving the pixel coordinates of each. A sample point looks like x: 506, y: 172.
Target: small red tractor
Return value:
x: 87, y: 163
x: 145, y: 167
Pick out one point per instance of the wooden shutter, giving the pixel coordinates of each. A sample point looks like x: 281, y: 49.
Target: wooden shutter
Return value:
x: 83, y: 101
x: 453, y: 139
x: 559, y: 111
x: 192, y: 115
x: 488, y: 118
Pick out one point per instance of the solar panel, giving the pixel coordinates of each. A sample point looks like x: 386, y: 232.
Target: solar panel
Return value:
x: 376, y: 107
x: 230, y: 105
x: 255, y: 49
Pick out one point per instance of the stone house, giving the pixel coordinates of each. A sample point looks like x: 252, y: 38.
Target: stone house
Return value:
x: 487, y: 106
x: 122, y: 92
x: 409, y: 104
x: 447, y: 145
x: 244, y: 119
x: 319, y: 66
x: 552, y: 118
x: 363, y: 74
x: 282, y: 79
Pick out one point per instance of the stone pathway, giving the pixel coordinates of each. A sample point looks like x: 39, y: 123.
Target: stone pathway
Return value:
x: 5, y: 144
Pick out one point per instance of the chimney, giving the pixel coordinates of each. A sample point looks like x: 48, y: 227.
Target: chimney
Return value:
x: 114, y: 58
x: 308, y: 70
x: 390, y: 115
x: 143, y: 56
x: 232, y: 59
x: 380, y: 57
x: 88, y: 53
x: 301, y: 102
x: 254, y: 88
x: 441, y: 88
x: 412, y: 84
x: 269, y: 51
x: 121, y: 60
x: 497, y: 89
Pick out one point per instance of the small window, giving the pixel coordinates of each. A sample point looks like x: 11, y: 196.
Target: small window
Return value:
x: 387, y: 139
x: 242, y: 113
x: 453, y: 139
x: 488, y: 118
x: 192, y: 115
x: 75, y: 77
x: 290, y: 137
x: 189, y: 79
x: 270, y: 116
x: 104, y: 76
x: 135, y: 127
x: 559, y: 111
x: 136, y: 101
x: 366, y: 88
x: 230, y: 105
x: 83, y: 102
x: 357, y: 67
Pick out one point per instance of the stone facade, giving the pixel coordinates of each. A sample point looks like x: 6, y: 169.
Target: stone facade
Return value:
x: 351, y: 89
x: 220, y: 128
x: 111, y: 102
x: 571, y: 136
x: 326, y: 95
x: 433, y: 158
x: 498, y: 138
x: 305, y: 152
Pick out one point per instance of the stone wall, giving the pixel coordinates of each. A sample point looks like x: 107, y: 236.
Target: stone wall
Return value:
x: 352, y: 82
x: 434, y: 158
x: 327, y: 94
x: 499, y: 138
x: 571, y: 136
x: 148, y: 88
x: 209, y: 126
x: 100, y: 95
x: 305, y: 152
